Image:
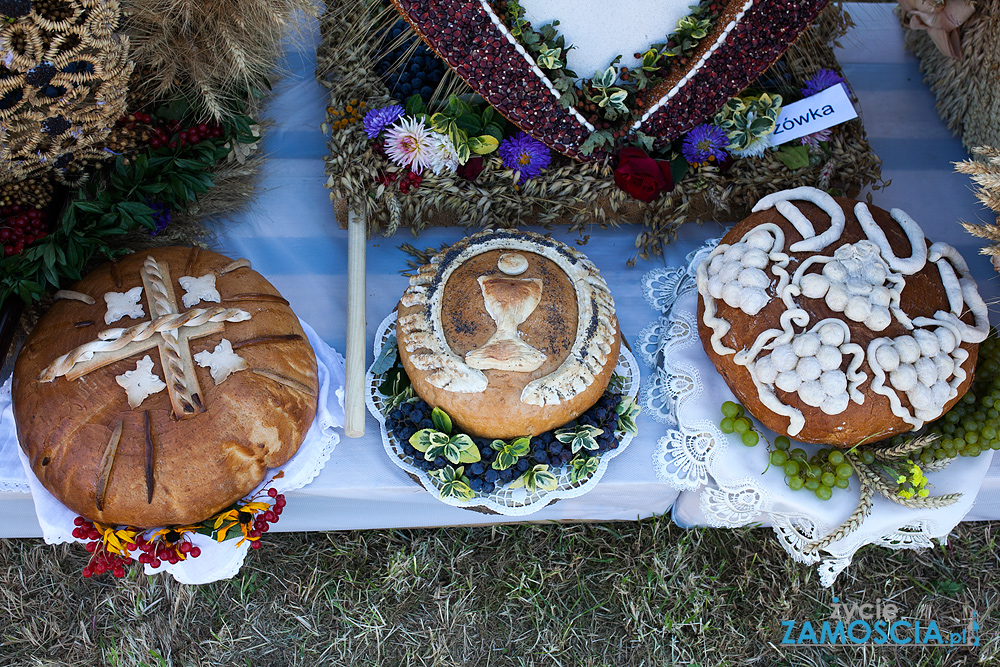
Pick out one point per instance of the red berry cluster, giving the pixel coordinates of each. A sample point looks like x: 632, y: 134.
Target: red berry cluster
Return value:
x: 262, y: 522
x: 20, y: 227
x: 172, y: 134
x: 155, y: 552
x: 410, y: 182
x: 102, y: 559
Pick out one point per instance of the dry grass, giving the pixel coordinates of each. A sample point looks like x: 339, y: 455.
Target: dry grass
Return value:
x: 217, y: 54
x: 646, y: 593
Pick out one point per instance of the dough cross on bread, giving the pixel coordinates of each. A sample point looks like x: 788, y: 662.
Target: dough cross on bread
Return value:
x: 169, y: 330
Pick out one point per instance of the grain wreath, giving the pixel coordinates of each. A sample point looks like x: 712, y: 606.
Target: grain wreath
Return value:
x: 167, y: 394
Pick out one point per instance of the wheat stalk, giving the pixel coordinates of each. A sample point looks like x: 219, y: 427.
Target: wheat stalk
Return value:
x: 904, y: 449
x: 874, y: 479
x: 852, y: 523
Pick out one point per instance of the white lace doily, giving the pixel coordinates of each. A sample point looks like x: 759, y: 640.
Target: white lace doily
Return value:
x: 218, y: 560
x: 504, y: 500
x: 726, y: 484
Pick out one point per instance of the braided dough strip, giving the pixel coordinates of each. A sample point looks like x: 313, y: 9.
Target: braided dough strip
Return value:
x: 112, y: 340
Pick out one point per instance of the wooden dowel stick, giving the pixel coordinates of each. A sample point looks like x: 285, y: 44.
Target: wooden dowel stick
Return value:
x: 354, y: 390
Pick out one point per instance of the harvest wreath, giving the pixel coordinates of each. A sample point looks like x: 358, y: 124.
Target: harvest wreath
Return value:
x: 448, y: 157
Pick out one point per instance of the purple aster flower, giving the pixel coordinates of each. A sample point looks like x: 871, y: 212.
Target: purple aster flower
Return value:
x: 377, y: 120
x: 822, y: 80
x: 705, y: 143
x: 525, y: 154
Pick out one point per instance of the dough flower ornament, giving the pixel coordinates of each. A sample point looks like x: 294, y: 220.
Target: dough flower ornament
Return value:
x: 941, y: 19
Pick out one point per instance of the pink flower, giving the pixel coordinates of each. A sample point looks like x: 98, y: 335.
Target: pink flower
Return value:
x: 409, y: 143
x: 812, y: 140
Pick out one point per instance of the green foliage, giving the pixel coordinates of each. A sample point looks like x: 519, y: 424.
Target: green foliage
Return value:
x: 454, y: 483
x: 581, y: 436
x: 111, y: 207
x: 793, y: 157
x: 472, y: 130
x: 509, y: 453
x: 627, y: 410
x: 536, y: 478
x: 597, y: 139
x: 458, y: 448
x: 442, y: 421
x: 746, y: 119
x: 583, y: 467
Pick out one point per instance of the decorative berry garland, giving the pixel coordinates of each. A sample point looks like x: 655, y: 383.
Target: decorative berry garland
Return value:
x: 112, y: 547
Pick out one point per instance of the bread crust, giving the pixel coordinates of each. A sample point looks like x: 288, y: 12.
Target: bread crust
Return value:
x: 203, y: 463
x: 498, y: 411
x: 922, y: 296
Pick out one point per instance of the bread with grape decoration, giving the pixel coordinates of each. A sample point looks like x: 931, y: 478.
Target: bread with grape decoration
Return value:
x: 839, y: 323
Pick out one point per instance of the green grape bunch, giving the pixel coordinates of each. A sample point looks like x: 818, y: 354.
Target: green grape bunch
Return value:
x: 821, y: 473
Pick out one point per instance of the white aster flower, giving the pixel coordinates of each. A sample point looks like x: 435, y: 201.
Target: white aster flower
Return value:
x: 444, y: 157
x: 409, y: 143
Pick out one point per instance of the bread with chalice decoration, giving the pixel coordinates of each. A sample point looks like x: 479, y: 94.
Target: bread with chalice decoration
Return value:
x: 510, y: 333
x: 162, y: 387
x: 837, y: 322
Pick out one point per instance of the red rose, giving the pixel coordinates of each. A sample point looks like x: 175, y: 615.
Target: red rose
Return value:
x: 641, y: 176
x: 470, y: 170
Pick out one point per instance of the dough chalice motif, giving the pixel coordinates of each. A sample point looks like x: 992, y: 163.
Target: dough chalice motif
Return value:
x: 509, y: 301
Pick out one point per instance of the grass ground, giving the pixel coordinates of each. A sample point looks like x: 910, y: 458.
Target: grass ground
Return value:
x: 646, y: 593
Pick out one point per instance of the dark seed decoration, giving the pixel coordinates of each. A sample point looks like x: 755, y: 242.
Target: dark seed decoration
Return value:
x: 733, y: 66
x: 55, y: 126
x: 462, y: 33
x: 15, y: 8
x: 40, y: 75
x: 11, y: 98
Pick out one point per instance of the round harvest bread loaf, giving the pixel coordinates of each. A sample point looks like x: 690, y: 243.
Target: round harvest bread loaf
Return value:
x: 510, y: 333
x: 162, y: 387
x: 835, y: 322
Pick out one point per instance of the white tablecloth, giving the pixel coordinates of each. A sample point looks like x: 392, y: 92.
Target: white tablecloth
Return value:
x: 291, y: 237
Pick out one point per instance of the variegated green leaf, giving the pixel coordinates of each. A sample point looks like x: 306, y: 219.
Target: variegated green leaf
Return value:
x: 424, y: 438
x: 442, y: 421
x: 583, y: 467
x: 483, y: 144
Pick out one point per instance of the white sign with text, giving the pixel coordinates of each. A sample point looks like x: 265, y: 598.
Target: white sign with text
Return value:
x: 818, y: 112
